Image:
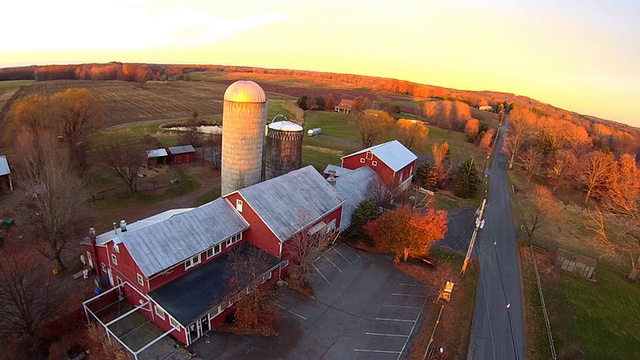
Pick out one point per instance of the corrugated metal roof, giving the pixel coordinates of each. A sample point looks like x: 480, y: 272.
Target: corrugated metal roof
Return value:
x: 175, y: 150
x: 140, y: 224
x: 4, y: 166
x: 156, y: 153
x: 339, y: 170
x: 354, y: 187
x: 392, y: 153
x: 245, y: 91
x: 293, y: 201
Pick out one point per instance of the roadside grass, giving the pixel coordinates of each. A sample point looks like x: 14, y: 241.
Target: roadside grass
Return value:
x: 274, y: 107
x: 589, y: 320
x: 318, y: 159
x: 454, y: 329
x: 446, y: 200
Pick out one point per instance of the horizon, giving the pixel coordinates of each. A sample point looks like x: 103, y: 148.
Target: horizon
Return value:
x: 578, y: 56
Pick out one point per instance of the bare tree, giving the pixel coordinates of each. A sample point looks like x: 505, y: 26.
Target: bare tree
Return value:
x: 544, y: 208
x: 440, y: 153
x: 518, y: 132
x: 562, y: 167
x: 303, y: 249
x: 597, y: 168
x: 371, y: 124
x: 412, y: 134
x: 378, y: 191
x: 125, y: 154
x: 53, y: 211
x: 532, y: 160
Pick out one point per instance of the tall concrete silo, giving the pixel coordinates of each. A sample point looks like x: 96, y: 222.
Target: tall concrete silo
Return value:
x: 244, y: 119
x: 283, y: 148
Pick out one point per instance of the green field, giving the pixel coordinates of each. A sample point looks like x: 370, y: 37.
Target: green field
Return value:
x: 14, y: 84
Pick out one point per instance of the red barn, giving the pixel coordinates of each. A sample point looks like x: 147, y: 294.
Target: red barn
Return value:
x: 181, y: 154
x: 393, y: 163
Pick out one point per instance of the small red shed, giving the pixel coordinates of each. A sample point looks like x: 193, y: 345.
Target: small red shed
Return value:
x: 181, y: 154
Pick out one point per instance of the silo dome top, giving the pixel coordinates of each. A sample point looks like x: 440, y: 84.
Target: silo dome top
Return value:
x: 245, y: 91
x: 285, y: 126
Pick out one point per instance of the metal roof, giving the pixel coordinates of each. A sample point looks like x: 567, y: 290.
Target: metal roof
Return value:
x: 4, y: 166
x: 156, y: 153
x: 112, y: 234
x: 339, y: 170
x: 245, y: 91
x: 285, y: 126
x: 175, y: 150
x: 354, y: 186
x: 166, y: 243
x: 291, y: 202
x: 392, y: 153
x: 190, y: 296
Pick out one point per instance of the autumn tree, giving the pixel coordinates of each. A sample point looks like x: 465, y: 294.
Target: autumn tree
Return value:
x: 28, y: 299
x: 471, y: 129
x: 125, y: 154
x: 53, y: 210
x: 544, y: 208
x: 330, y: 104
x: 77, y: 113
x: 360, y: 104
x: 532, y: 161
x: 371, y: 125
x: 467, y: 179
x: 407, y: 233
x: 486, y: 139
x: 412, y: 133
x: 597, y: 166
x: 427, y: 175
x: 31, y: 113
x: 562, y: 167
x: 440, y: 153
x: 518, y: 132
x: 256, y: 309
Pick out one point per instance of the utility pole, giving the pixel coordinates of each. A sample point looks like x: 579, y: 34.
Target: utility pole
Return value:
x: 479, y: 225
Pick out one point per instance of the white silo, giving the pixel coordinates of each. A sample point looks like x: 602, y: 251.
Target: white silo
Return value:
x: 244, y: 119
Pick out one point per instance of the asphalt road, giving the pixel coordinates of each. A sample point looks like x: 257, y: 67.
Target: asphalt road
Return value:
x: 498, y: 331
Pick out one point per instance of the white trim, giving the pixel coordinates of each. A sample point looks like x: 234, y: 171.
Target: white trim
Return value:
x: 140, y: 279
x: 374, y: 163
x: 239, y: 204
x: 161, y: 310
x: 194, y: 260
x: 114, y: 259
x: 361, y: 160
x: 213, y: 251
x: 173, y: 322
x: 369, y: 155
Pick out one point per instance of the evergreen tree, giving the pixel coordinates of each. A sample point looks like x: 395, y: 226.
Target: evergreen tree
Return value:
x: 427, y: 175
x: 367, y: 211
x: 467, y: 179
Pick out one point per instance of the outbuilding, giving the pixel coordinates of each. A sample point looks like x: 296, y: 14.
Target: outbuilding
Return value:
x: 181, y: 154
x: 5, y: 172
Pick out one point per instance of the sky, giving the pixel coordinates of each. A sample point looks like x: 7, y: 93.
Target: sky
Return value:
x: 580, y: 55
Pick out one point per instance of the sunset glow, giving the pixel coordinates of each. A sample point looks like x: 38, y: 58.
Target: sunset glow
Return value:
x: 578, y: 55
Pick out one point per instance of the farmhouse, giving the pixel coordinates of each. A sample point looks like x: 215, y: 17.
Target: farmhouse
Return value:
x: 173, y: 266
x: 181, y: 154
x: 344, y: 106
x: 393, y: 163
x: 5, y: 172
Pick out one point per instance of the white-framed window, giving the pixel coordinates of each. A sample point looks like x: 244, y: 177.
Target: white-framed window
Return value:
x: 191, y: 262
x: 234, y: 239
x: 284, y: 264
x: 362, y: 160
x: 374, y: 163
x: 215, y: 250
x: 266, y: 277
x: 160, y: 312
x: 369, y: 155
x: 140, y: 279
x: 116, y: 248
x: 411, y: 170
x: 103, y: 267
x: 239, y: 205
x: 174, y: 323
x: 215, y: 312
x: 114, y: 259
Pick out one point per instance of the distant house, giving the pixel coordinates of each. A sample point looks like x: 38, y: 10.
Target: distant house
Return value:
x: 181, y: 154
x: 392, y: 161
x: 575, y: 263
x: 5, y: 172
x: 344, y: 106
x: 485, y: 108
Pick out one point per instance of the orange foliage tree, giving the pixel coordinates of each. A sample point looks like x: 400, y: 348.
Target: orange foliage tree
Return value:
x: 440, y: 153
x: 412, y: 133
x: 405, y: 232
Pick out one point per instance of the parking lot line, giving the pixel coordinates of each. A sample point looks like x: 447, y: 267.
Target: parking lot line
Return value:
x: 409, y: 295
x: 319, y: 272
x: 403, y: 307
x: 377, y: 351
x: 336, y: 266
x: 414, y: 285
x: 412, y: 328
x: 401, y: 320
x: 296, y: 314
x: 339, y: 253
x: 391, y: 335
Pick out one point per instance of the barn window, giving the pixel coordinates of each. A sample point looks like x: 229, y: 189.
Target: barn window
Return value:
x: 239, y: 205
x: 214, y: 251
x: 234, y: 239
x: 362, y: 160
x: 140, y: 279
x: 374, y: 163
x: 174, y: 323
x: 159, y: 312
x: 369, y: 155
x: 104, y: 268
x: 191, y: 262
x: 114, y: 259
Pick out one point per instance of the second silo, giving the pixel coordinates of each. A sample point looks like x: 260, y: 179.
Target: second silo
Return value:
x: 283, y: 148
x: 244, y: 118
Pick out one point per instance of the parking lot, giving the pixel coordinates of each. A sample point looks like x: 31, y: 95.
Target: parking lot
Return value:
x: 364, y: 308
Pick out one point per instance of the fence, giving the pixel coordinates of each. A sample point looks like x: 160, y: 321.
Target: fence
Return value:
x: 544, y: 307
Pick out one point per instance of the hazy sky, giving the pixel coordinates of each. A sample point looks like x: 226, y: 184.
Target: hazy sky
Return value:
x: 581, y: 55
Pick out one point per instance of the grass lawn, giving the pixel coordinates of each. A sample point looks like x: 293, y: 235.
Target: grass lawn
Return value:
x: 318, y: 159
x: 14, y: 84
x: 332, y: 123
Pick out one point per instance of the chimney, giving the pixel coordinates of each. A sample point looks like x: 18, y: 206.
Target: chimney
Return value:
x: 94, y: 252
x: 123, y: 225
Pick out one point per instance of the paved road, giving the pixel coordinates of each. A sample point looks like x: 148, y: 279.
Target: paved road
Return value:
x: 498, y: 331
